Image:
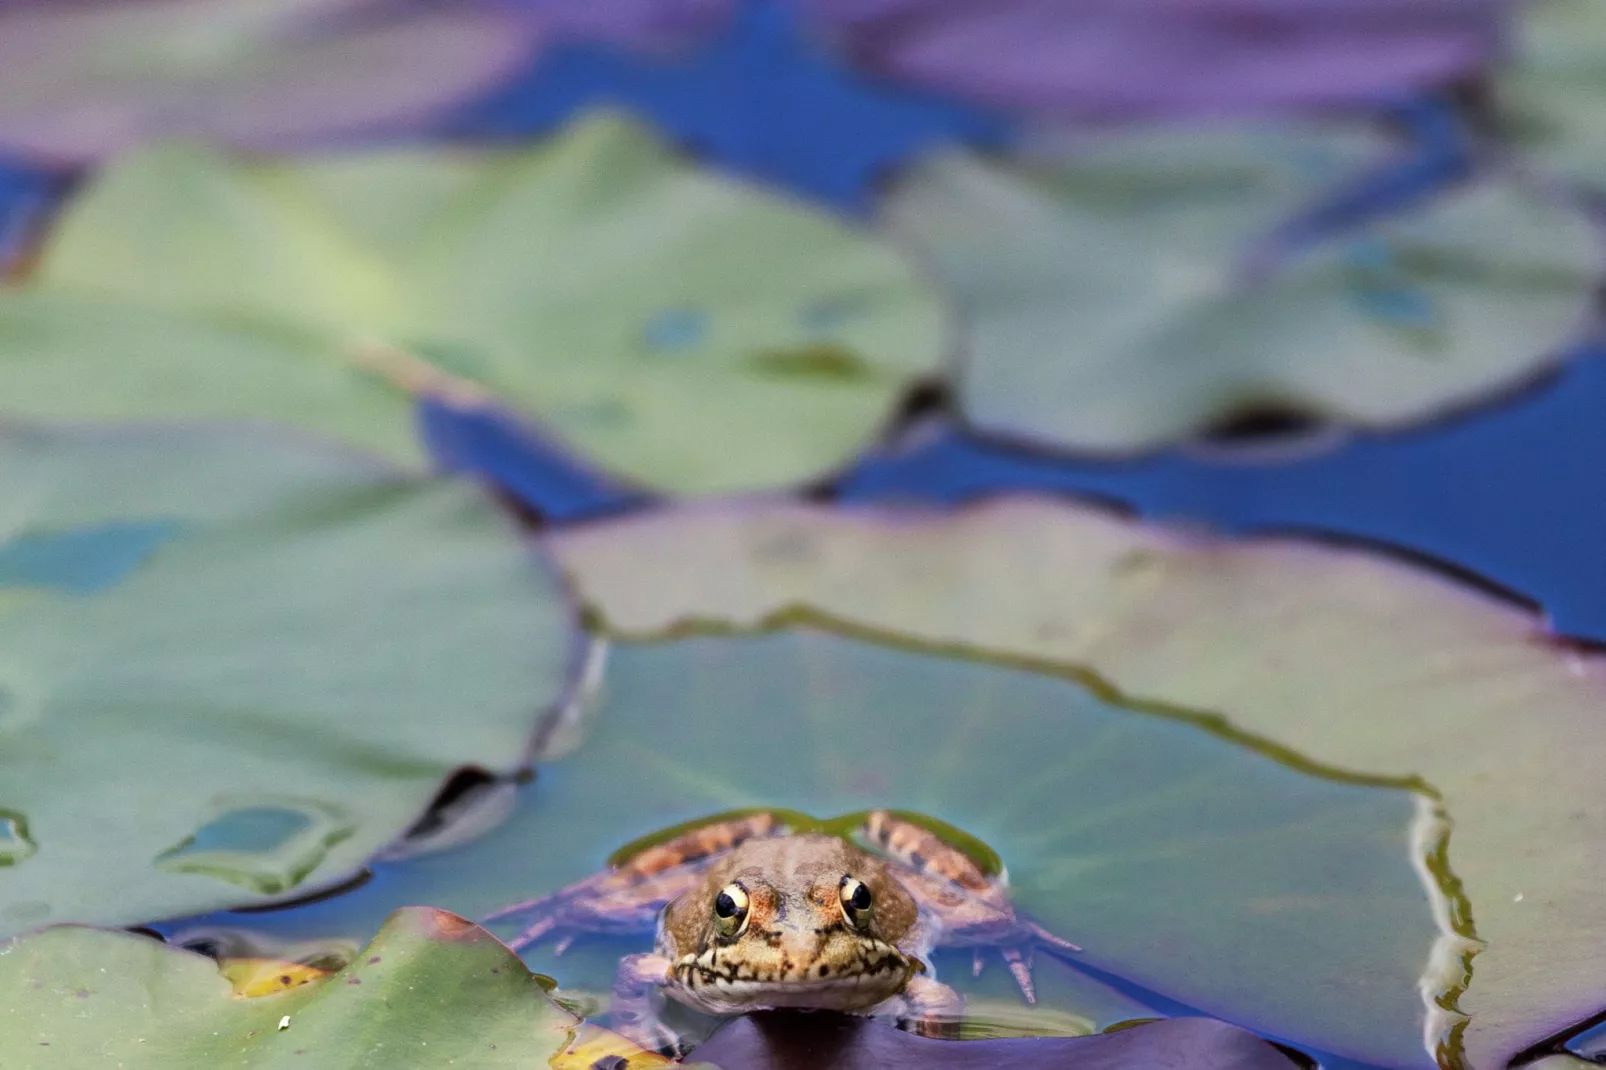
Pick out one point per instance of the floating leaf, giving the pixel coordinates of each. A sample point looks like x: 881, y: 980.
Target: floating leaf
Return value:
x: 1554, y: 91
x: 70, y: 356
x: 661, y: 318
x: 78, y: 82
x: 1131, y: 293
x: 777, y: 1041
x: 272, y: 695
x: 1202, y: 870
x: 1103, y: 58
x: 1332, y: 655
x: 430, y: 990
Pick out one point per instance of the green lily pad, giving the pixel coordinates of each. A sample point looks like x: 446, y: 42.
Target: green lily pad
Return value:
x: 72, y: 356
x: 1554, y: 92
x: 686, y: 330
x: 1326, y: 654
x: 431, y: 990
x: 1110, y: 299
x: 1202, y: 870
x: 258, y: 697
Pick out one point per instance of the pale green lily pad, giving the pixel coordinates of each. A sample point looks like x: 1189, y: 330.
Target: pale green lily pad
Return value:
x: 257, y: 697
x: 1554, y: 92
x: 1109, y: 299
x: 686, y: 330
x: 70, y: 356
x: 1338, y: 656
x: 431, y: 990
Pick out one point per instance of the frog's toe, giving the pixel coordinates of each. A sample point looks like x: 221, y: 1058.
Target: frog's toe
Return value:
x: 1043, y: 936
x: 532, y: 934
x: 1019, y: 961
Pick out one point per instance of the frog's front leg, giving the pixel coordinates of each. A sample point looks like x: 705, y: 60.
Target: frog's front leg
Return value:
x: 926, y: 1007
x: 634, y: 1009
x: 971, y: 906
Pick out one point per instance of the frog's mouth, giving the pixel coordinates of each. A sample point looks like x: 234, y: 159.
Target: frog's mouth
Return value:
x: 720, y: 984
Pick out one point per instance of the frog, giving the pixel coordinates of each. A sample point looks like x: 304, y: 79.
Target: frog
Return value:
x: 758, y: 911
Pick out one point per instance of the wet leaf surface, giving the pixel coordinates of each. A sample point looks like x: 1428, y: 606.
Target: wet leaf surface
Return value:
x: 431, y: 990
x: 615, y: 291
x: 780, y: 1041
x: 1128, y: 291
x: 80, y: 82
x: 1341, y: 656
x: 262, y: 701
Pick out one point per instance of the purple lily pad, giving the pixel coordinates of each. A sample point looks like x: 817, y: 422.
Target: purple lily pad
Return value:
x: 81, y: 81
x: 798, y: 1041
x: 1117, y: 58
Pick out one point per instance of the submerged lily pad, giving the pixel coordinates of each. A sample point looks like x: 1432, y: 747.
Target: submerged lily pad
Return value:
x: 777, y: 1041
x: 430, y: 990
x: 1128, y: 294
x: 684, y: 329
x: 1334, y: 655
x: 260, y: 702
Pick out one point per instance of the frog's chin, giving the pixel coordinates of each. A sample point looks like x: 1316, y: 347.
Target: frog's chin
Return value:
x: 723, y: 995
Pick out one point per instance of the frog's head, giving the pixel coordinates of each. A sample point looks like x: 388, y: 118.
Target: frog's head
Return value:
x: 796, y: 921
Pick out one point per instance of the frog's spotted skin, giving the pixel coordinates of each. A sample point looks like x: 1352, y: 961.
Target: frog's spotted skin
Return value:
x: 751, y: 915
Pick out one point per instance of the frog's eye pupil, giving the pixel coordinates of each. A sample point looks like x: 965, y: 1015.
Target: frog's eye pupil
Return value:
x: 855, y: 901
x: 730, y: 910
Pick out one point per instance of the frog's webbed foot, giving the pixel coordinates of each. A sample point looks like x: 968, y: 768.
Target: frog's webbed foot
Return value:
x: 971, y: 906
x: 633, y: 1012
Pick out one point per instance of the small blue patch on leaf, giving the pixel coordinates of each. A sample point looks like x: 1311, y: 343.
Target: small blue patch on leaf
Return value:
x: 670, y: 329
x: 82, y: 560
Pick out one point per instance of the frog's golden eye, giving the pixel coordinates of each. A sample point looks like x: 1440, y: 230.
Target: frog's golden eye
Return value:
x: 730, y: 909
x: 855, y: 902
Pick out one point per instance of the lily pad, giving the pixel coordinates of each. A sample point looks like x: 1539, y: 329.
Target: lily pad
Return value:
x: 68, y: 356
x: 1133, y: 291
x: 686, y: 330
x: 263, y: 695
x: 1554, y: 91
x: 1202, y: 870
x: 1327, y: 654
x: 1117, y: 58
x: 83, y: 81
x: 431, y: 990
